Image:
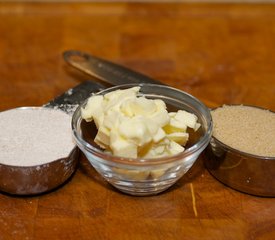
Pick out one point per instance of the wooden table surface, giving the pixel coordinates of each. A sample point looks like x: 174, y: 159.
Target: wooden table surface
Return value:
x: 219, y: 53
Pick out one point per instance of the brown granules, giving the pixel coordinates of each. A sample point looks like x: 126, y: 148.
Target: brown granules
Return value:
x: 248, y: 129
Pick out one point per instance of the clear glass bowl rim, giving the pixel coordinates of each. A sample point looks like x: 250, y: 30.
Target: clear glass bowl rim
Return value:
x: 201, y: 144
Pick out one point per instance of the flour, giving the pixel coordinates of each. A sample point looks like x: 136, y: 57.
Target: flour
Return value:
x: 34, y: 136
x: 67, y: 108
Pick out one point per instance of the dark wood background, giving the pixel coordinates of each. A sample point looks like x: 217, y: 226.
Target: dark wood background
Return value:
x: 220, y: 53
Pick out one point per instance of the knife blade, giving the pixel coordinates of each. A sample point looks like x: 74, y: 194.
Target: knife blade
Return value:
x: 104, y: 70
x: 101, y: 69
x: 69, y: 100
x: 108, y: 72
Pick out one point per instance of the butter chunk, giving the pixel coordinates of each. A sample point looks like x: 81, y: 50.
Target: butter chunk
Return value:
x: 102, y: 137
x: 177, y: 125
x: 155, y: 174
x: 114, y: 99
x: 135, y: 130
x: 139, y: 106
x: 133, y: 126
x: 132, y: 174
x: 112, y: 119
x: 161, y: 117
x: 197, y: 126
x: 179, y: 137
x: 187, y: 118
x: 175, y: 148
x: 162, y: 149
x: 121, y: 147
x: 93, y: 110
x: 160, y: 135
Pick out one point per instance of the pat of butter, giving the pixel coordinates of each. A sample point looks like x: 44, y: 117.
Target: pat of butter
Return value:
x: 93, y: 110
x: 121, y: 146
x: 133, y: 126
x: 135, y: 130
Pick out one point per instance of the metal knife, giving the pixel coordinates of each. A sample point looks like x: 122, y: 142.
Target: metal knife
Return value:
x: 104, y: 70
x: 108, y: 73
x: 69, y: 100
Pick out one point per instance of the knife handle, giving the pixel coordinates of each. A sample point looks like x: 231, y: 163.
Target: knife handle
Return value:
x: 104, y: 70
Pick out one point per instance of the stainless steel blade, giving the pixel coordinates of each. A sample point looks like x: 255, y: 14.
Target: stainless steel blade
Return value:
x: 103, y: 70
x: 69, y: 100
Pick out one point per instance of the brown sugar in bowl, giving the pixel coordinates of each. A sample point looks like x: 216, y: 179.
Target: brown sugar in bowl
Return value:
x: 241, y: 150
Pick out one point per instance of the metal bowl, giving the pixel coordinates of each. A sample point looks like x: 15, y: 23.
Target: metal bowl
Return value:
x: 19, y: 179
x: 37, y: 179
x: 239, y: 170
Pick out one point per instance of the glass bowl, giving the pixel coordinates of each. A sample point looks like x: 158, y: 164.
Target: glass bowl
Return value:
x: 144, y: 176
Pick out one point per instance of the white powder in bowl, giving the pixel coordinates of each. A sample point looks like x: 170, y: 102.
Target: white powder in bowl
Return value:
x: 34, y: 135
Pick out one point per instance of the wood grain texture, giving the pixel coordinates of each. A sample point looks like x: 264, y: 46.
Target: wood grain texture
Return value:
x: 219, y: 53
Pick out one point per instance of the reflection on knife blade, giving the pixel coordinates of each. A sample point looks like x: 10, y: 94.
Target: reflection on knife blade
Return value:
x: 106, y: 71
